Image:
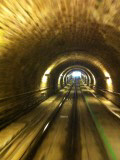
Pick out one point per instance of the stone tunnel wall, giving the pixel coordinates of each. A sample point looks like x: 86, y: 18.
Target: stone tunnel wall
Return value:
x: 35, y: 33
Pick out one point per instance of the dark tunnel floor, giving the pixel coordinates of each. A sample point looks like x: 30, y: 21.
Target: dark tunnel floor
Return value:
x: 84, y: 128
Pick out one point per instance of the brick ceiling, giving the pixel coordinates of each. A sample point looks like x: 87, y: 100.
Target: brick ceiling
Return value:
x: 34, y: 33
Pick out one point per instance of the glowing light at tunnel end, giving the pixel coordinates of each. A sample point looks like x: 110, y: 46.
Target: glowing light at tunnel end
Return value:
x: 76, y: 74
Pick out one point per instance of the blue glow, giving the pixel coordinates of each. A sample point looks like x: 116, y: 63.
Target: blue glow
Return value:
x: 76, y: 74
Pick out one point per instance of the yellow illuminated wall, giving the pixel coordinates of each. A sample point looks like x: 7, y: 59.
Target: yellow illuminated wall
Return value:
x: 108, y: 80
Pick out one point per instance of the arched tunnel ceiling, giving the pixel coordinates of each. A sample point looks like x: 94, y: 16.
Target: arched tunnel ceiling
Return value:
x: 72, y: 68
x: 88, y: 63
x: 82, y: 69
x: 34, y: 33
x: 62, y: 22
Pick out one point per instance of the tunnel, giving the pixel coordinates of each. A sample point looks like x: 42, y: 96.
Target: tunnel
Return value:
x: 42, y: 43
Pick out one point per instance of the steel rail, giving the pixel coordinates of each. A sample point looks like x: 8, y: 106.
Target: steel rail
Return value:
x: 40, y: 134
x: 30, y: 152
x: 109, y: 150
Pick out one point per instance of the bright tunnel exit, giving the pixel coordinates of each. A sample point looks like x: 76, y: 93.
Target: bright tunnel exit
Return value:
x: 76, y: 74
